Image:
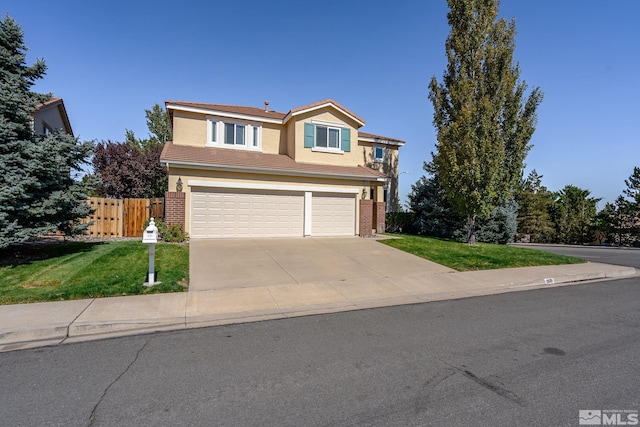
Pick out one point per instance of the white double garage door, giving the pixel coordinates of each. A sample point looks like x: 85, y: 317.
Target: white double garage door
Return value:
x: 232, y: 213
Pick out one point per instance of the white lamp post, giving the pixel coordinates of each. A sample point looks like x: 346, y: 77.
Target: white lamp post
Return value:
x: 150, y: 237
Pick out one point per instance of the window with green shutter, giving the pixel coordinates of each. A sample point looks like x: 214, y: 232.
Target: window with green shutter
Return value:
x: 346, y: 139
x: 309, y: 132
x: 329, y: 137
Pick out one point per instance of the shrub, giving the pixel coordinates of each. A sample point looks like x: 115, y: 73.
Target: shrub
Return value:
x: 400, y: 222
x: 170, y: 233
x: 174, y: 233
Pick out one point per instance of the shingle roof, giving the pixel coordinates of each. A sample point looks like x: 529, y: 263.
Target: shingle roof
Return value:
x: 237, y: 109
x: 261, y: 112
x: 269, y: 163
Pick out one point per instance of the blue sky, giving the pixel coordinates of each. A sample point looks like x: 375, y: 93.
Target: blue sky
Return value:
x: 111, y: 60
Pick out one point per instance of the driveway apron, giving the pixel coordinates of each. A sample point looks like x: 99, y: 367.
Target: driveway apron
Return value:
x: 241, y: 263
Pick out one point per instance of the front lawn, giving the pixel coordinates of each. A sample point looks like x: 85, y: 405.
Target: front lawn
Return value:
x: 74, y: 270
x: 462, y: 257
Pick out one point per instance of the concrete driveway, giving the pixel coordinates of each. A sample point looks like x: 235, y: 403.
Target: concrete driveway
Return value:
x: 243, y: 263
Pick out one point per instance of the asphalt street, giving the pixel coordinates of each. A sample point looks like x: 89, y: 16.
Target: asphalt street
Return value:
x: 629, y: 257
x: 527, y: 358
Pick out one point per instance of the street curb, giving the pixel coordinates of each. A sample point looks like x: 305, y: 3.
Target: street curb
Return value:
x: 81, y: 331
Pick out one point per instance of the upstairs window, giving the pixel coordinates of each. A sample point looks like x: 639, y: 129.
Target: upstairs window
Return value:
x: 231, y: 133
x: 213, y: 132
x: 378, y: 153
x: 234, y: 134
x: 327, y: 138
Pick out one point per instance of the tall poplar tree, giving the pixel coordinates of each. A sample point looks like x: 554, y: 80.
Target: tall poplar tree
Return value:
x: 38, y: 194
x: 482, y: 118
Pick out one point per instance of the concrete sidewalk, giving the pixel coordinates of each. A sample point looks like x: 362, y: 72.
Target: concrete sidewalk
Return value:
x: 33, y: 325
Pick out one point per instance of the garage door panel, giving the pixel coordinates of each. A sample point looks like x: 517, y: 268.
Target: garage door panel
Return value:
x: 333, y: 215
x: 224, y: 213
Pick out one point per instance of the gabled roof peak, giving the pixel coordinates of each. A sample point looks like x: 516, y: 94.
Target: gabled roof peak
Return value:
x: 267, y: 113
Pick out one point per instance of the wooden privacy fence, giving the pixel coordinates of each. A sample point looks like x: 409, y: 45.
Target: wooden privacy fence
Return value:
x: 122, y: 217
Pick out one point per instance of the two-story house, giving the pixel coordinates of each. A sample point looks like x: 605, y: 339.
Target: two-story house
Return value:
x: 254, y: 172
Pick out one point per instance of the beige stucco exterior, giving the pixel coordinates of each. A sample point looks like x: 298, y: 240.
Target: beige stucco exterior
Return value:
x: 316, y: 156
x: 282, y: 135
x: 389, y: 166
x: 193, y: 180
x: 189, y: 129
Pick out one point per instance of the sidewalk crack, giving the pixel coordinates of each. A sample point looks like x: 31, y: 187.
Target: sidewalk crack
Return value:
x: 92, y: 416
x: 76, y: 318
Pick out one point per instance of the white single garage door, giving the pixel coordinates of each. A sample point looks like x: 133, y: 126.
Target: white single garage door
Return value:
x: 223, y: 213
x: 333, y: 214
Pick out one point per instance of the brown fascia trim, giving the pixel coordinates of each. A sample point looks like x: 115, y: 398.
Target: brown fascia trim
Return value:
x: 65, y: 117
x: 171, y: 106
x: 376, y: 139
x: 267, y: 171
x: 321, y: 104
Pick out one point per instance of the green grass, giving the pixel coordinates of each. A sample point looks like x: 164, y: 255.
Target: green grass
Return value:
x: 462, y: 257
x: 74, y: 270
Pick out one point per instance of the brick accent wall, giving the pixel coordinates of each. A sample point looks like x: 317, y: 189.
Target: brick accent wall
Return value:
x: 379, y: 216
x: 174, y: 208
x: 366, y: 218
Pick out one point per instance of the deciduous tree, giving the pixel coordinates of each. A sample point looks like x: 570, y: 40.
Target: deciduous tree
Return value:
x: 483, y: 119
x: 133, y: 169
x: 126, y: 171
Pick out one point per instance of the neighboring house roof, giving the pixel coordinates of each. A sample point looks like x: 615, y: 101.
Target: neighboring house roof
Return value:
x: 369, y: 137
x: 59, y: 104
x: 253, y: 112
x: 247, y: 161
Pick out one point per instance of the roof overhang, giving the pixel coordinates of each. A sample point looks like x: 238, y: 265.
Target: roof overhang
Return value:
x: 320, y: 105
x: 268, y: 171
x: 213, y: 112
x: 381, y: 140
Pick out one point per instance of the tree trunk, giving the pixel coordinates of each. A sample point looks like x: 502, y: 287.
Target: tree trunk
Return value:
x: 471, y: 230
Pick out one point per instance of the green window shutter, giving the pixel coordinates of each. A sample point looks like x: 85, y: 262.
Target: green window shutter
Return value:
x: 346, y: 139
x: 308, y: 135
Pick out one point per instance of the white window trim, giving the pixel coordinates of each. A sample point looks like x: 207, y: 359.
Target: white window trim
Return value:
x: 250, y: 129
x: 327, y: 150
x: 332, y: 125
x: 378, y: 159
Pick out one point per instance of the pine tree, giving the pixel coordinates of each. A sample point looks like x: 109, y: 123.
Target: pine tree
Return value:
x: 37, y: 192
x: 574, y: 214
x: 434, y: 215
x: 482, y: 119
x: 535, y: 203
